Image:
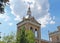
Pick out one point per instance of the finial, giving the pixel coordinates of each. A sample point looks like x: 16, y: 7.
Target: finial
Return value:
x: 29, y: 12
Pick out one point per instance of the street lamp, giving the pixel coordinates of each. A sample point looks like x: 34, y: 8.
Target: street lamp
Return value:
x: 0, y: 23
x: 0, y: 35
x: 0, y: 32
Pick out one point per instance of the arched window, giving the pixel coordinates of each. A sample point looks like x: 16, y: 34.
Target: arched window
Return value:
x: 36, y: 33
x: 31, y: 28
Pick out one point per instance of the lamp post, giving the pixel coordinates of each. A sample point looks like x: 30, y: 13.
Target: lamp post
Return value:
x: 0, y: 32
x: 0, y: 23
x: 0, y: 35
x: 49, y: 36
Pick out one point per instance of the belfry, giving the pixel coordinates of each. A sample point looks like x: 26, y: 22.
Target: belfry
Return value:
x: 30, y: 23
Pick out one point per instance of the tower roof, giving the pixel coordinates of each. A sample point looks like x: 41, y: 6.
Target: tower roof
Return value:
x: 29, y: 18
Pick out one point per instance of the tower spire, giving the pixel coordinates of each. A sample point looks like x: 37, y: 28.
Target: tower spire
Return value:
x: 29, y: 11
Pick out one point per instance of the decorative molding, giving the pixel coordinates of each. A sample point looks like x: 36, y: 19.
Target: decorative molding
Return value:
x: 28, y: 22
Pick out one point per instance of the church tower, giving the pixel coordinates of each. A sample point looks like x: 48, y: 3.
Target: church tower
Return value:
x: 30, y: 23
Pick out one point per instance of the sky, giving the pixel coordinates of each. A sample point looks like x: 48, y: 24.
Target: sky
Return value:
x: 46, y: 12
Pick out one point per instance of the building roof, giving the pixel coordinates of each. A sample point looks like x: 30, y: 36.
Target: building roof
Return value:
x: 29, y: 18
x: 32, y: 19
x: 53, y: 32
x: 56, y: 32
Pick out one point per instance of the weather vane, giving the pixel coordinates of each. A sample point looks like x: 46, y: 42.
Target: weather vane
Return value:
x: 29, y: 3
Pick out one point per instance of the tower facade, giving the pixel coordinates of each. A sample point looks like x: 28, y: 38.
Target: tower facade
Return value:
x: 31, y: 24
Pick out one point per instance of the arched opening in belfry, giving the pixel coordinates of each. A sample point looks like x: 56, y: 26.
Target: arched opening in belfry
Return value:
x: 36, y: 33
x: 31, y: 28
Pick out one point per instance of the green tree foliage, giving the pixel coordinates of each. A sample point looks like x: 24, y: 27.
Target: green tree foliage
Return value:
x: 2, y: 42
x: 21, y: 36
x: 2, y: 6
x: 30, y: 36
x: 9, y: 38
x: 25, y: 36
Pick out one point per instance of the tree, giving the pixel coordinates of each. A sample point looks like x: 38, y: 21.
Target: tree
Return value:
x: 1, y: 8
x: 2, y: 42
x: 2, y: 5
x: 30, y: 36
x: 25, y: 36
x: 21, y: 36
x: 9, y: 38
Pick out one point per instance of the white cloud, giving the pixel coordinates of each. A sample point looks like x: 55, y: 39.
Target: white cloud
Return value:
x: 45, y: 20
x: 10, y: 24
x: 40, y: 10
x: 52, y: 22
x: 17, y: 18
x: 5, y: 17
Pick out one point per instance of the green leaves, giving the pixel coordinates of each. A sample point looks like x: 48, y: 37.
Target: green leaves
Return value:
x: 25, y: 36
x: 30, y: 36
x: 9, y: 38
x: 2, y: 42
x: 2, y: 6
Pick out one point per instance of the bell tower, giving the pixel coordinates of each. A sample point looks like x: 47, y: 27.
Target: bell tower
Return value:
x: 30, y: 23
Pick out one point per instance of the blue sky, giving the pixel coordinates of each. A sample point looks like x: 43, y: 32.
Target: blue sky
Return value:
x: 48, y: 14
